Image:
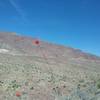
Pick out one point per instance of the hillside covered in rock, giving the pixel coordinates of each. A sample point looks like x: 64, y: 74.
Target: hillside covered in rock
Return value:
x: 32, y: 69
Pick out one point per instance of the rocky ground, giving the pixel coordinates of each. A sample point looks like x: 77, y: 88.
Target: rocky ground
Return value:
x: 46, y: 71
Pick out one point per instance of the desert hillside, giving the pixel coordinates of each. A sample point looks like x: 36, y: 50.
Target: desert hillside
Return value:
x: 31, y: 70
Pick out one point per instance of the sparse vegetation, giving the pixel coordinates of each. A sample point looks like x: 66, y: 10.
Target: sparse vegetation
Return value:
x: 25, y: 75
x: 89, y: 93
x: 98, y: 84
x: 81, y: 80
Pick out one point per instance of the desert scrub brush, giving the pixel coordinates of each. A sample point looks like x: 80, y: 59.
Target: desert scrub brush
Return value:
x: 58, y: 95
x: 98, y: 84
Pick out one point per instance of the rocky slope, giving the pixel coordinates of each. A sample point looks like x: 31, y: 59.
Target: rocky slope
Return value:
x: 44, y: 71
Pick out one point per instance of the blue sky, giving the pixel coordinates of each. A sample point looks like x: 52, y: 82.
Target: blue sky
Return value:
x: 74, y: 23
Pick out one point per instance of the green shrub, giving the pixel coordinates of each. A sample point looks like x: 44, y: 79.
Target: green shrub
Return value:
x: 98, y: 84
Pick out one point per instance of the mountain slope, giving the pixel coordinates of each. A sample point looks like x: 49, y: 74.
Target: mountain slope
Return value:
x: 37, y: 70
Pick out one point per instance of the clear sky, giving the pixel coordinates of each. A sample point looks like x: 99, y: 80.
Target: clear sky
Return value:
x: 75, y: 23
